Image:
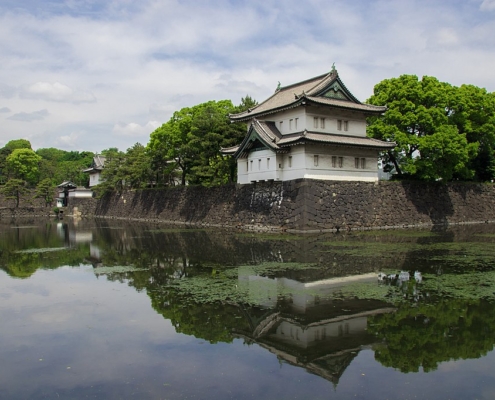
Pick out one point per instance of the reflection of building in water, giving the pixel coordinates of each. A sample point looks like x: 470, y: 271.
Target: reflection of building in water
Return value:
x: 73, y: 236
x: 264, y: 291
x: 310, y: 329
x: 94, y: 251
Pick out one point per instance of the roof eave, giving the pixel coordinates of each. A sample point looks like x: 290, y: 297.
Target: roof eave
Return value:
x: 298, y: 102
x: 304, y: 139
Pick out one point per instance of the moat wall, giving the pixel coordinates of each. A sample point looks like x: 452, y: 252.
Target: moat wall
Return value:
x: 303, y: 205
x: 29, y: 206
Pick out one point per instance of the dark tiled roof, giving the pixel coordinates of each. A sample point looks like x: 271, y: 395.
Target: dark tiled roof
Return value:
x: 228, y: 151
x: 99, y: 161
x: 338, y: 140
x: 312, y: 89
x: 97, y: 164
x: 268, y: 134
x: 67, y: 184
x: 347, y: 104
x: 263, y: 131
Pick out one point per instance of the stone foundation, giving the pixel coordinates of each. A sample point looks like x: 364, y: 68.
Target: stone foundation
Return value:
x: 303, y: 205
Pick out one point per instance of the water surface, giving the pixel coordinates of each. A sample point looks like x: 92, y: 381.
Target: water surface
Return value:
x: 104, y: 309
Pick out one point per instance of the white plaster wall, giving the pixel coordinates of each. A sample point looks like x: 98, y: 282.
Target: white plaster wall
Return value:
x: 242, y: 173
x: 81, y: 194
x: 293, y: 164
x: 260, y: 165
x: 286, y: 118
x: 303, y: 164
x: 356, y: 123
x: 306, y: 336
x: 94, y: 179
x: 356, y: 120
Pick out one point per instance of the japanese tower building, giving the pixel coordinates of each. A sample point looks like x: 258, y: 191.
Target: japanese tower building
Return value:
x: 315, y: 129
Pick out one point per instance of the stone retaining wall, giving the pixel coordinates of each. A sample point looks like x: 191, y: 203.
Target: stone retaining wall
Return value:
x: 303, y: 205
x: 29, y: 206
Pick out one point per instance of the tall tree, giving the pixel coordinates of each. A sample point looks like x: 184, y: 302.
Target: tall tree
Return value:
x: 190, y: 142
x: 45, y: 190
x: 23, y: 164
x: 14, y: 189
x: 113, y: 176
x: 137, y: 167
x: 474, y: 115
x: 6, y: 151
x: 421, y: 119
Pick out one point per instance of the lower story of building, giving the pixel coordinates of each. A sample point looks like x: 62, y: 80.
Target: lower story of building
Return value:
x: 309, y: 162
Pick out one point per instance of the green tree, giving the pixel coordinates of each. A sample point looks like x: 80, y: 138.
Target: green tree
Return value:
x: 421, y: 119
x: 113, y: 176
x: 6, y: 151
x: 137, y: 167
x: 190, y: 142
x: 18, y: 144
x: 52, y: 154
x: 474, y: 116
x: 169, y: 145
x: 14, y: 189
x: 24, y: 164
x: 45, y: 190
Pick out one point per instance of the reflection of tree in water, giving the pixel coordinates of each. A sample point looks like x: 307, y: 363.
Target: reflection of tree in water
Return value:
x: 213, y: 322
x: 326, y: 335
x: 424, y: 335
x: 28, y: 245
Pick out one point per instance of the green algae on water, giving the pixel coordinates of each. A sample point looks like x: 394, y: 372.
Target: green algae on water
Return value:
x: 117, y: 269
x: 41, y: 250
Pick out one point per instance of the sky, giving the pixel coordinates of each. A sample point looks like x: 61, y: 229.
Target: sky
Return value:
x: 87, y: 75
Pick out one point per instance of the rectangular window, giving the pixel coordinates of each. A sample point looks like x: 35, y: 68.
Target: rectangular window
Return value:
x: 281, y: 126
x: 251, y: 165
x: 341, y: 162
x: 322, y: 123
x: 247, y: 166
x: 334, y: 161
x: 316, y: 160
x: 290, y: 124
x: 290, y: 161
x: 346, y: 126
x: 339, y: 124
x: 315, y: 122
x: 363, y: 163
x: 356, y: 162
x: 259, y: 164
x: 267, y: 163
x: 295, y: 121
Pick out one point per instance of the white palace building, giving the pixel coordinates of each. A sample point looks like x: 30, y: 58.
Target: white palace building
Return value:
x: 315, y: 129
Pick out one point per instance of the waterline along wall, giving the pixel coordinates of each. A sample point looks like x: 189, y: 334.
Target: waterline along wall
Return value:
x: 303, y: 205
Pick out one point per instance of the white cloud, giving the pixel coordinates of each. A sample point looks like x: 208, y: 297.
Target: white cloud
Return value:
x: 56, y: 92
x: 447, y: 37
x: 30, y: 116
x: 94, y: 63
x: 70, y: 141
x: 133, y: 129
x: 5, y: 110
x: 487, y: 5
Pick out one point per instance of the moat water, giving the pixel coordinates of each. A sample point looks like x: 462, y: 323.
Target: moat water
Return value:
x: 112, y: 310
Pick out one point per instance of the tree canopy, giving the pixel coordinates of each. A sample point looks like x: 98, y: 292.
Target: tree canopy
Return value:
x: 442, y: 132
x: 189, y: 143
x: 23, y: 164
